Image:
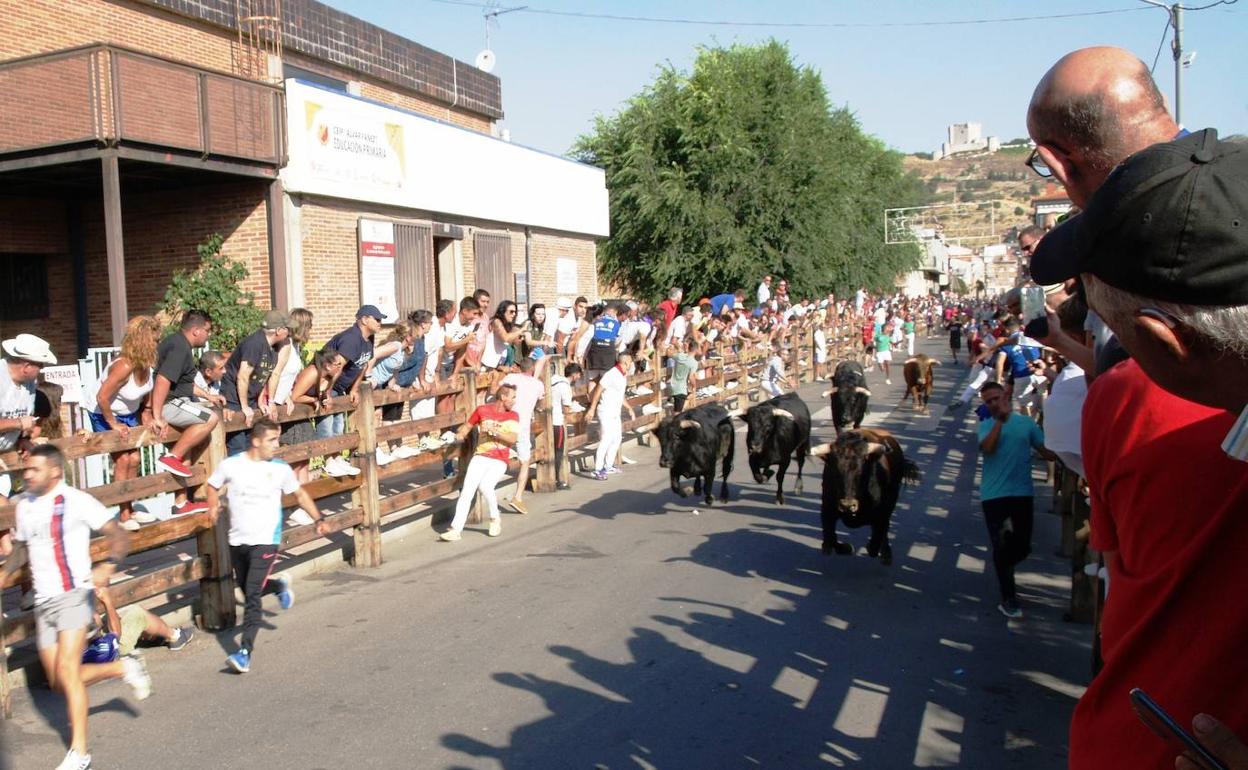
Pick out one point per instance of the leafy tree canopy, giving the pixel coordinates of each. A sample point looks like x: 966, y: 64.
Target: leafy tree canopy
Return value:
x: 214, y: 287
x: 742, y: 168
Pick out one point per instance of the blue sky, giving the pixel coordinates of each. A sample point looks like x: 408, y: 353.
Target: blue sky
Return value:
x: 905, y: 84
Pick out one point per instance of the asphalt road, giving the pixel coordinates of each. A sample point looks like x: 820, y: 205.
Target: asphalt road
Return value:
x: 618, y: 626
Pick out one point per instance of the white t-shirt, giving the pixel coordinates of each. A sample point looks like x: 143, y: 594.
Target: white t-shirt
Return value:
x: 290, y: 373
x: 678, y: 330
x: 775, y: 371
x: 764, y: 294
x: 613, y: 384
x: 56, y: 529
x: 631, y: 331
x: 255, y: 497
x: 582, y: 344
x: 15, y: 401
x: 529, y: 391
x: 881, y: 315
x: 561, y: 398
x: 567, y: 324
x: 495, y: 350
x: 1063, y: 416
x: 435, y: 338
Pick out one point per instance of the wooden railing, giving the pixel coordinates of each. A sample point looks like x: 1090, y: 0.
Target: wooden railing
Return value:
x: 736, y: 375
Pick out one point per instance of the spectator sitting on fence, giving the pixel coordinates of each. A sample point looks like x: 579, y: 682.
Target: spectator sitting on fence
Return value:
x: 121, y: 400
x: 311, y: 388
x: 391, y: 356
x: 174, y: 404
x: 529, y: 391
x: 54, y: 526
x: 560, y: 404
x: 211, y: 369
x: 254, y: 483
x: 246, y: 384
x: 498, y: 427
x: 355, y: 343
x: 504, y: 332
x: 462, y: 331
x: 535, y: 336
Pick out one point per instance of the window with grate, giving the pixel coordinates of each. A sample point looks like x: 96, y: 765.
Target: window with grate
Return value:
x: 492, y: 257
x: 23, y: 287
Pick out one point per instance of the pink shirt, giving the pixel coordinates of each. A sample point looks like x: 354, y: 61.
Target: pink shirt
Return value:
x: 529, y: 391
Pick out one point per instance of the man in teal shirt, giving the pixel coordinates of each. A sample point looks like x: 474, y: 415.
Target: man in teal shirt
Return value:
x: 1005, y: 490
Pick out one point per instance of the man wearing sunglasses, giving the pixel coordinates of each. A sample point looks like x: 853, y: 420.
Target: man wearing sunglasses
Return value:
x: 1162, y: 250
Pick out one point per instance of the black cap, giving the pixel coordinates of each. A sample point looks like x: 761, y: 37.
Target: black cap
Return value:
x: 370, y: 310
x: 1170, y: 223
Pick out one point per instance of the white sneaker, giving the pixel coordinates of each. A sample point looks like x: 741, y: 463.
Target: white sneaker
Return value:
x: 448, y: 437
x: 643, y: 391
x: 429, y: 444
x: 350, y: 469
x: 130, y: 525
x: 75, y: 761
x: 143, y: 517
x: 496, y: 528
x: 333, y: 466
x: 627, y: 460
x: 383, y: 457
x: 651, y: 409
x: 137, y: 677
x: 404, y: 452
x: 450, y: 536
x: 299, y: 518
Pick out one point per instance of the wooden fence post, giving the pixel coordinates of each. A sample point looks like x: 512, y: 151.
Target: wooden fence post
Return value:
x: 216, y: 587
x: 368, y: 495
x: 6, y: 700
x: 656, y: 364
x: 544, y: 481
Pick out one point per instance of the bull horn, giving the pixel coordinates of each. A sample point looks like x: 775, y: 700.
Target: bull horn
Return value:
x: 783, y: 413
x: 912, y: 359
x: 821, y: 450
x: 862, y: 390
x: 876, y: 448
x: 736, y: 413
x: 827, y: 393
x: 688, y: 424
x: 935, y: 362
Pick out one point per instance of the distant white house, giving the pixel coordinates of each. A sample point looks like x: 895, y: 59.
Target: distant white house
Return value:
x: 966, y: 137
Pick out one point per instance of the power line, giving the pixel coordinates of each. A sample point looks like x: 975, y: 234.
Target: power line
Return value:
x: 1160, y: 45
x: 802, y: 25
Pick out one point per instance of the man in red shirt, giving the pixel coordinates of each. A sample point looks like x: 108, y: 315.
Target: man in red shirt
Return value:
x: 671, y: 306
x: 499, y: 428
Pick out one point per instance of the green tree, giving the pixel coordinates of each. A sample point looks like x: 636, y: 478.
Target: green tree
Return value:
x: 741, y: 168
x: 214, y: 287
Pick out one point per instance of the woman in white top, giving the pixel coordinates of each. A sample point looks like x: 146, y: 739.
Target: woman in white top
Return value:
x: 504, y: 332
x: 121, y: 401
x: 290, y: 357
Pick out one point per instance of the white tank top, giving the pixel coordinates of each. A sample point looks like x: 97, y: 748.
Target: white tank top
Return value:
x: 495, y: 351
x: 130, y: 395
x: 286, y: 380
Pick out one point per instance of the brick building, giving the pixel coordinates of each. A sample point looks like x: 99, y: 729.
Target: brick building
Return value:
x: 332, y: 156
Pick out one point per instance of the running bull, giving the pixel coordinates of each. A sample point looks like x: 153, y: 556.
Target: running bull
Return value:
x: 918, y: 374
x: 849, y: 395
x: 690, y: 443
x: 862, y: 476
x: 778, y: 432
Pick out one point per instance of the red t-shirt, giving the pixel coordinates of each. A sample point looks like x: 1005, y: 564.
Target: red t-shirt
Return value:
x: 1169, y: 507
x: 508, y: 421
x: 669, y: 309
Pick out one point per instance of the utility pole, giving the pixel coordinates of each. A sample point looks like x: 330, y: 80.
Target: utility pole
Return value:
x: 1175, y: 11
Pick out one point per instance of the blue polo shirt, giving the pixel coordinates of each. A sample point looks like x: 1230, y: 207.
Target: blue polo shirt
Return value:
x: 1007, y: 471
x: 721, y: 301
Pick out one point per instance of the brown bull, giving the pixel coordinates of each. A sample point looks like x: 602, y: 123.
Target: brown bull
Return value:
x: 918, y: 373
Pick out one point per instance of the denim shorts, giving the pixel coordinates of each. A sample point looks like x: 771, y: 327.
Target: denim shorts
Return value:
x: 98, y: 425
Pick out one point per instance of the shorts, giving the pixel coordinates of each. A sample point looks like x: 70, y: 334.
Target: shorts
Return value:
x: 133, y: 625
x: 70, y: 611
x: 884, y: 356
x: 98, y: 425
x: 185, y: 412
x: 821, y: 356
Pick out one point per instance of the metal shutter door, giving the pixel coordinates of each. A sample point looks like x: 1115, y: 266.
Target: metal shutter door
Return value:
x: 492, y: 256
x: 415, y: 288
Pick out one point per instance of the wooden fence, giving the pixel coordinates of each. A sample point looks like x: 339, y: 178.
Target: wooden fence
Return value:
x: 377, y: 492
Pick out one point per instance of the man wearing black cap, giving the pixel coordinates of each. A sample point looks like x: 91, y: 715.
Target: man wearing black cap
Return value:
x: 1162, y: 250
x: 247, y: 374
x: 355, y: 344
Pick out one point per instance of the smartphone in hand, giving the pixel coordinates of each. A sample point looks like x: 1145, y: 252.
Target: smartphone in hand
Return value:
x: 1161, y: 723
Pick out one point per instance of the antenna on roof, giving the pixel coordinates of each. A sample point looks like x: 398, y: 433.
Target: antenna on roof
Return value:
x: 486, y: 59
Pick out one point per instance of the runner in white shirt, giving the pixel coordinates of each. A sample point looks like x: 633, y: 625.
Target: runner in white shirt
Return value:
x: 254, y: 484
x: 608, y: 399
x: 53, y: 535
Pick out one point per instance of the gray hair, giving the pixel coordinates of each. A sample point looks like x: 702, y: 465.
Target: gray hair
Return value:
x: 676, y: 293
x: 1224, y: 329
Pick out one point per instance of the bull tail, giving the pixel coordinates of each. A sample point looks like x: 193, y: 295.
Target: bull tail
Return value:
x: 910, y: 473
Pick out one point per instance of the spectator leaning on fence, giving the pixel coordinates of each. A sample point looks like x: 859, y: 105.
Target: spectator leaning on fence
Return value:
x: 312, y: 388
x: 355, y: 343
x: 254, y: 483
x: 24, y: 357
x: 498, y: 427
x: 211, y: 366
x: 121, y: 400
x: 54, y: 526
x: 246, y: 384
x: 174, y: 404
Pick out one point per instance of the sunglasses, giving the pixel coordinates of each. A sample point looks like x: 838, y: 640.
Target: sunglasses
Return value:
x: 1037, y: 164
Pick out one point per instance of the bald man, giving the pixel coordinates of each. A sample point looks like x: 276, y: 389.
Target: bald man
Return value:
x: 1091, y: 110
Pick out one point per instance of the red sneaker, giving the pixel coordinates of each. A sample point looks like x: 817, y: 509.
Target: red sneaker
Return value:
x: 175, y: 466
x: 189, y: 507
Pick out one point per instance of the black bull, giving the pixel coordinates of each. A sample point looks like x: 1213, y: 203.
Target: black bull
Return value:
x: 862, y: 476
x: 778, y: 432
x: 690, y: 443
x: 849, y: 395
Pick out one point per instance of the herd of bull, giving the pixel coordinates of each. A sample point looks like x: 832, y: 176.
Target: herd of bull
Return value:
x: 863, y: 470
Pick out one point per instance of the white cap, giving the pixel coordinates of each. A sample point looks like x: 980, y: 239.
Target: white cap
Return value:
x: 29, y: 348
x: 563, y: 303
